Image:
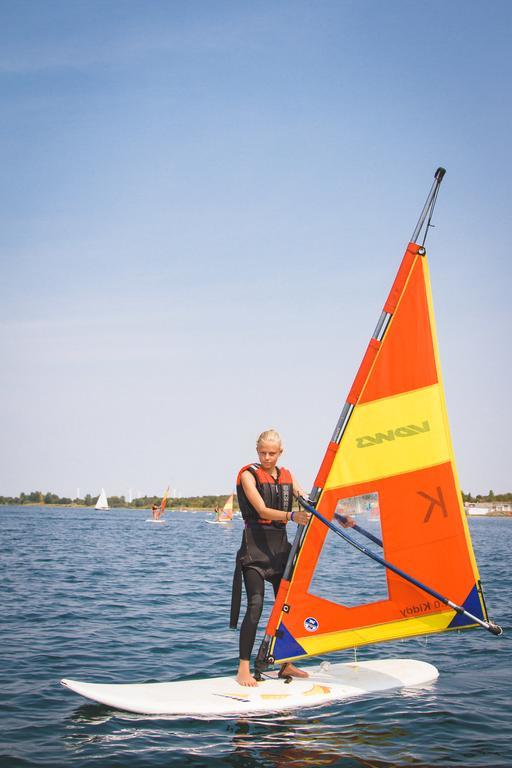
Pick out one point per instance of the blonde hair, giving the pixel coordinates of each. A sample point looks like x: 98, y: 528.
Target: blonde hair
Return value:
x: 269, y: 436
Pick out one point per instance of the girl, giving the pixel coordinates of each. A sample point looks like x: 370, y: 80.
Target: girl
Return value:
x: 265, y: 496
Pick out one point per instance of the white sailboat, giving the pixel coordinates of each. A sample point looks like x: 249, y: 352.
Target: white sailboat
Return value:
x: 102, y: 502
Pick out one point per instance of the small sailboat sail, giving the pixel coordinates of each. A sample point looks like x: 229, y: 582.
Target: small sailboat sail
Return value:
x: 164, y: 501
x: 391, y: 445
x: 226, y: 513
x: 102, y: 502
x: 158, y: 511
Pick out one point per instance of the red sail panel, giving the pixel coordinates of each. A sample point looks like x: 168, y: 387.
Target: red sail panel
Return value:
x: 407, y: 360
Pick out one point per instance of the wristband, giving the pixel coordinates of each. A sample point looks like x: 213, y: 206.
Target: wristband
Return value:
x: 291, y: 515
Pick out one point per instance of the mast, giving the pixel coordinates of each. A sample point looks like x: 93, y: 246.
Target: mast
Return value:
x: 428, y: 208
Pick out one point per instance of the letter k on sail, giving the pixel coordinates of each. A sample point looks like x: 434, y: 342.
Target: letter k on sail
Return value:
x: 433, y: 502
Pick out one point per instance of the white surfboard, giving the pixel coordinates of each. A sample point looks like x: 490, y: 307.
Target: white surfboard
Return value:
x: 149, y: 520
x: 224, y: 696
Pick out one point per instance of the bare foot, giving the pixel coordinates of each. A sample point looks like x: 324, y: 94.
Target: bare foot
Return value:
x: 292, y: 671
x: 247, y: 680
x: 244, y: 676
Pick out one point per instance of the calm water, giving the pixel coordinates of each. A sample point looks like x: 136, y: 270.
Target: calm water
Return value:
x: 107, y: 596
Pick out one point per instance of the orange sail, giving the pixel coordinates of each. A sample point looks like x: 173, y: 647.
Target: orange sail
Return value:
x: 391, y: 445
x: 164, y: 501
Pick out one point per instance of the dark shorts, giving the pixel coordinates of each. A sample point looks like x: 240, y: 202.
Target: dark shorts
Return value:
x: 264, y: 548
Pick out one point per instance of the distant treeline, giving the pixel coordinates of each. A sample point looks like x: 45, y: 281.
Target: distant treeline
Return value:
x: 189, y: 502
x: 491, y: 496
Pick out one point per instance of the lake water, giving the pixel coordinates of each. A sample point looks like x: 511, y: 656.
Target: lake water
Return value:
x: 106, y: 596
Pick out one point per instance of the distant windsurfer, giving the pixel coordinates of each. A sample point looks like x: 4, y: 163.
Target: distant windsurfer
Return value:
x: 155, y: 512
x: 265, y: 496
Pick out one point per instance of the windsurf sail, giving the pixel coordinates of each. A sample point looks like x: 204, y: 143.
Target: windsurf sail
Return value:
x: 102, y: 502
x: 391, y: 450
x: 226, y: 513
x: 164, y: 501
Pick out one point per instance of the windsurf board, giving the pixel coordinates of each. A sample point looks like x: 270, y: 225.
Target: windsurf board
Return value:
x: 224, y: 696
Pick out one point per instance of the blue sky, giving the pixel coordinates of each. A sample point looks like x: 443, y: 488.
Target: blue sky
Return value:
x: 203, y: 205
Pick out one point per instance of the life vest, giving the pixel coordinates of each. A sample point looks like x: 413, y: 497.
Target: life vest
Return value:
x: 277, y: 493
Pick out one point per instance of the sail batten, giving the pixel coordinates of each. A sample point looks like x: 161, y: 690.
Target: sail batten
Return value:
x: 392, y: 442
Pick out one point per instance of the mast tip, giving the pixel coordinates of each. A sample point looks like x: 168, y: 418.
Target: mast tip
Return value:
x: 439, y: 174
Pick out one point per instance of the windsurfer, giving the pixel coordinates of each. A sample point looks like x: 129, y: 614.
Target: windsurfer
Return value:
x: 265, y: 495
x: 155, y: 511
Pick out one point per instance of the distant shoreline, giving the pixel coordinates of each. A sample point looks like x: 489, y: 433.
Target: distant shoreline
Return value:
x: 491, y: 514
x: 53, y: 500
x: 182, y: 508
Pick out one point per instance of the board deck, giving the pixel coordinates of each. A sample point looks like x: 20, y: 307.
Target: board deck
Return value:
x: 224, y: 696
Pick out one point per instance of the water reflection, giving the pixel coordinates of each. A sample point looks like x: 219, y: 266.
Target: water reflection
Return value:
x: 302, y: 744
x: 322, y: 738
x: 92, y: 714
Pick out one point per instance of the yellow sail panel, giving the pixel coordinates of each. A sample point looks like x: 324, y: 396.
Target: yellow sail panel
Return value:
x: 350, y: 638
x: 390, y: 436
x: 226, y: 513
x: 397, y: 447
